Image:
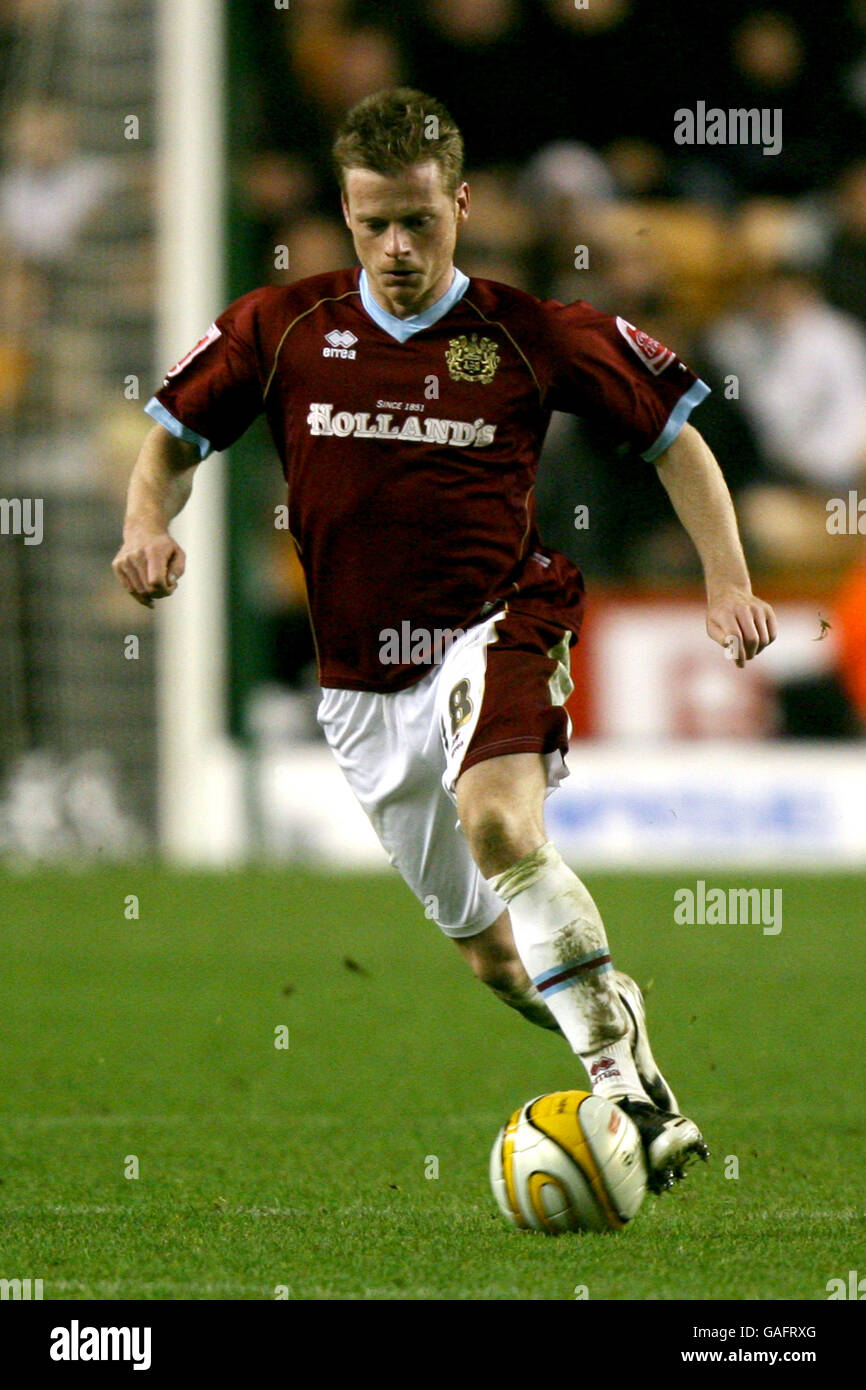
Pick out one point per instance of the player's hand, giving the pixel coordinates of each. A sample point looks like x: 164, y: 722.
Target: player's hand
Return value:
x: 742, y: 624
x: 149, y: 565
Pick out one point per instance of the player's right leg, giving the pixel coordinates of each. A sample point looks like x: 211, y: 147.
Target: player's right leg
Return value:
x: 389, y: 749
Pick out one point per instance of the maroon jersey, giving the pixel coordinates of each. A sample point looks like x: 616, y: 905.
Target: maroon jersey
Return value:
x: 411, y: 465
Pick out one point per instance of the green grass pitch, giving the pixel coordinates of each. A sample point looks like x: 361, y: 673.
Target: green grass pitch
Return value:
x: 305, y: 1168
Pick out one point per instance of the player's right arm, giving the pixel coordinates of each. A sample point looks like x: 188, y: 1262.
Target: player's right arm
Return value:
x: 206, y: 402
x: 150, y: 562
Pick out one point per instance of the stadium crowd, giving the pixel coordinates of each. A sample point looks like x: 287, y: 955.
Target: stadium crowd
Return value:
x: 751, y: 264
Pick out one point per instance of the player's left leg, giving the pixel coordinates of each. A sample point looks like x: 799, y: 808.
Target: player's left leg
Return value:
x: 505, y: 732
x: 494, y: 960
x: 561, y: 940
x: 501, y: 696
x: 557, y: 928
x: 492, y: 956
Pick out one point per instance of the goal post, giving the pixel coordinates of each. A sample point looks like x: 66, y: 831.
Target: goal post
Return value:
x: 197, y: 806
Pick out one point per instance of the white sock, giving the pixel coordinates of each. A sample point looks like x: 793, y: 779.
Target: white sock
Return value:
x: 562, y: 943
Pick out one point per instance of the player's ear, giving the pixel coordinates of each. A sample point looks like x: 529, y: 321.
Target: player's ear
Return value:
x: 345, y: 207
x: 461, y: 198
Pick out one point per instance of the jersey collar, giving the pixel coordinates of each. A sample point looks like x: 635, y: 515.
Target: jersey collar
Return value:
x: 402, y: 329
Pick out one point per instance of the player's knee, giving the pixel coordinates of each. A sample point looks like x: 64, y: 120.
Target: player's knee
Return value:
x: 498, y: 836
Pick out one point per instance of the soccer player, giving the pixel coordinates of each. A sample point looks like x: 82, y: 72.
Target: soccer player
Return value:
x: 408, y: 404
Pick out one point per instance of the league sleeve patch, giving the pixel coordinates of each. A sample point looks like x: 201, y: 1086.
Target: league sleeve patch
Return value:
x: 210, y: 337
x: 654, y: 355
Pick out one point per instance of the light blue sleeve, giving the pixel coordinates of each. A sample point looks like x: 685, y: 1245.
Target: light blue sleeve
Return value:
x: 157, y: 411
x: 677, y: 418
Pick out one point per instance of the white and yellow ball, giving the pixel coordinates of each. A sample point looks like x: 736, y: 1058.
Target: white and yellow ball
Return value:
x: 568, y: 1161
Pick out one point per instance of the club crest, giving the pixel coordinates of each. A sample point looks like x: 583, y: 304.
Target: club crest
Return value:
x: 472, y: 358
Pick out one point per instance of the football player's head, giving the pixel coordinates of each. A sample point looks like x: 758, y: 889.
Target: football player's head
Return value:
x: 399, y: 159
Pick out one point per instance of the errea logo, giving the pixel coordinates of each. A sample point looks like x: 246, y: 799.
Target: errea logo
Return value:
x: 341, y: 343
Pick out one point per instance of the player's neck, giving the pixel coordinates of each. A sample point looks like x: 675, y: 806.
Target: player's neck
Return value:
x: 403, y: 310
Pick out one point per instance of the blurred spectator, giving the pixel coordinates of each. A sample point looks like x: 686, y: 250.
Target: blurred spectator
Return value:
x: 312, y: 64
x: 472, y: 55
x: 367, y: 61
x: 276, y: 185
x: 47, y: 190
x: 33, y: 21
x: 644, y: 170
x: 773, y: 231
x: 565, y: 184
x: 498, y: 240
x: 848, y: 41
x: 315, y: 245
x: 23, y: 307
x: 801, y: 367
x: 573, y: 44
x: 774, y: 68
x: 619, y: 68
x: 844, y: 269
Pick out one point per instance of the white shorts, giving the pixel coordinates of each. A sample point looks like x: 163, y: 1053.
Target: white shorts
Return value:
x: 402, y: 754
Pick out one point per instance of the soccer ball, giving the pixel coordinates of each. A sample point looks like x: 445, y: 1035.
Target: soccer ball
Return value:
x: 568, y: 1161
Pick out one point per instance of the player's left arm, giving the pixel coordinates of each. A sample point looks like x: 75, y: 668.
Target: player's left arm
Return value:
x: 694, y: 482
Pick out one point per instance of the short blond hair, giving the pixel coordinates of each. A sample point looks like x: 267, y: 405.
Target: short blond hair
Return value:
x: 393, y: 129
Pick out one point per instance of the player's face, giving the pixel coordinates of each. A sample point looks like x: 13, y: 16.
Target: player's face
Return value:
x: 405, y: 228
